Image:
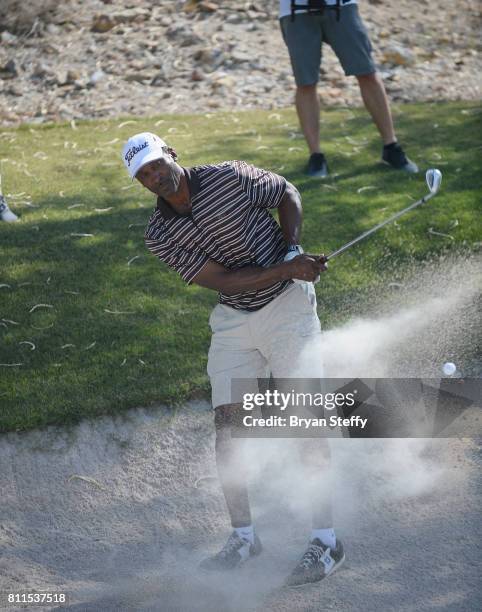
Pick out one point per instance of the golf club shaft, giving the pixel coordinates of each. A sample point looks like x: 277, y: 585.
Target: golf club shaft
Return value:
x: 379, y: 226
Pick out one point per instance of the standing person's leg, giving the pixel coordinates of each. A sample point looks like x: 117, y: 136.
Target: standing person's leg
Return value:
x: 308, y: 110
x: 304, y: 41
x: 231, y: 355
x: 376, y: 102
x: 349, y: 40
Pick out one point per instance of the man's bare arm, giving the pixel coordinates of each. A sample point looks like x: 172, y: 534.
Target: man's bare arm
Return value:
x: 215, y: 276
x: 290, y: 215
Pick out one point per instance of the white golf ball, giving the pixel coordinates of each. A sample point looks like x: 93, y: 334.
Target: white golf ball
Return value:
x: 449, y: 368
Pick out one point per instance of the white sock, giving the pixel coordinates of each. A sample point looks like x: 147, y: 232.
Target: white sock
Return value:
x: 246, y: 532
x: 327, y: 536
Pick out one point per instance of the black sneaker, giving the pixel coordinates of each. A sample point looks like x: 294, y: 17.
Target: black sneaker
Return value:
x: 318, y: 562
x: 317, y: 165
x: 394, y: 156
x: 234, y: 552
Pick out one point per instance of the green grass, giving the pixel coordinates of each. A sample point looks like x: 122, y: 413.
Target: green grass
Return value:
x: 157, y: 351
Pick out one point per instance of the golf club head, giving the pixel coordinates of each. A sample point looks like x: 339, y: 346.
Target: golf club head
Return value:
x: 434, y: 178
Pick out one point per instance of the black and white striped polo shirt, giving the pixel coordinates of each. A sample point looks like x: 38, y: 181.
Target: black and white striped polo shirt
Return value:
x: 230, y: 223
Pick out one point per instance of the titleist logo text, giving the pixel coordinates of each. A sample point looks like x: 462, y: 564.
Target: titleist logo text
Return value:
x: 133, y: 151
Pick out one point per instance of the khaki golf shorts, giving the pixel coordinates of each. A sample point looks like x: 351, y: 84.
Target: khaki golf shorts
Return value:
x: 347, y: 37
x: 280, y: 339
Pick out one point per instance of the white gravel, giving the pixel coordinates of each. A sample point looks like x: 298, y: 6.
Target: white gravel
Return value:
x: 162, y: 58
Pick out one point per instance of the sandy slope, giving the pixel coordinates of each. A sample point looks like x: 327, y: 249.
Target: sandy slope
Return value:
x: 131, y: 538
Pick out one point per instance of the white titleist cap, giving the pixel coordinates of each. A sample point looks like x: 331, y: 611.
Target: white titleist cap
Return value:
x: 141, y: 149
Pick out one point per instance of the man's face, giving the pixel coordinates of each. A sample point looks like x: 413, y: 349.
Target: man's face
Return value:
x: 161, y: 176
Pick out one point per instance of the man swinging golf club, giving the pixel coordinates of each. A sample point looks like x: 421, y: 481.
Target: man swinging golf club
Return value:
x: 212, y: 224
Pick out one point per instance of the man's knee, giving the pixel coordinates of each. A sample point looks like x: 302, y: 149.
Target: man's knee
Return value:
x: 363, y: 79
x: 227, y: 416
x: 306, y: 89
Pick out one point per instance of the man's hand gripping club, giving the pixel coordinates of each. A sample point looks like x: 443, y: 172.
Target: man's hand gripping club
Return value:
x: 307, y: 268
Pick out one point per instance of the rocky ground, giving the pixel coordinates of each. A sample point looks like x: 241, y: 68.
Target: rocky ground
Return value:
x: 105, y: 58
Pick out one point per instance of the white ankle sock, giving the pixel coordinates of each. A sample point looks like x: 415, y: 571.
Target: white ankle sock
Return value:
x: 327, y: 536
x: 246, y: 532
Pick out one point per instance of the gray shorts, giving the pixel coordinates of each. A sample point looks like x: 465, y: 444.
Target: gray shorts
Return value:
x: 348, y: 38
